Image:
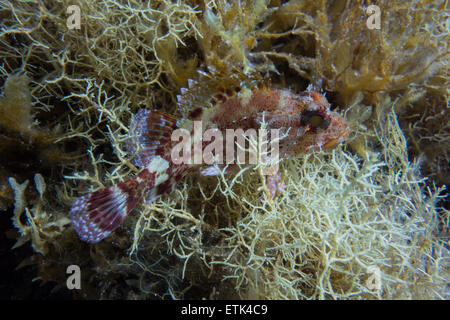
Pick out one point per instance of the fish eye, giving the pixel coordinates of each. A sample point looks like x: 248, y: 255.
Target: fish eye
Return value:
x: 315, y: 120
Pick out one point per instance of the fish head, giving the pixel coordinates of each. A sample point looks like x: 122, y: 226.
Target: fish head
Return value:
x: 313, y: 127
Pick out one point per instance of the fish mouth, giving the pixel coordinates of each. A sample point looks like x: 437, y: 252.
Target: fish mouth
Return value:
x: 334, y: 142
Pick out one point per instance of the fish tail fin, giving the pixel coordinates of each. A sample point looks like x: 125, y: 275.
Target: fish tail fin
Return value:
x: 95, y: 215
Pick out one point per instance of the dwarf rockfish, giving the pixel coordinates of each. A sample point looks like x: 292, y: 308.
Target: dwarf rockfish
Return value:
x: 305, y: 120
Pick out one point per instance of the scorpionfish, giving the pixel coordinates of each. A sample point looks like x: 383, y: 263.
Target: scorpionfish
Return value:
x: 305, y: 119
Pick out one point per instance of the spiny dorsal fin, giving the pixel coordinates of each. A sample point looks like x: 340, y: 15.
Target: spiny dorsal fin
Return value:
x: 149, y: 135
x: 212, y: 88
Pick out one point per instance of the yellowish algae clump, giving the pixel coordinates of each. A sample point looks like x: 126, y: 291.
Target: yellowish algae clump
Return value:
x: 357, y: 222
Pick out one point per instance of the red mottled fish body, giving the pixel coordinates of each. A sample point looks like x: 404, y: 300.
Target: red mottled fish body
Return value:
x: 304, y: 119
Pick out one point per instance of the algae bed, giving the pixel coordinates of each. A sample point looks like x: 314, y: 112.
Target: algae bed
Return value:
x: 367, y: 220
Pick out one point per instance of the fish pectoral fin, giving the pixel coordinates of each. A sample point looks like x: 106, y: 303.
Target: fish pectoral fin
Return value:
x: 216, y: 170
x: 150, y: 135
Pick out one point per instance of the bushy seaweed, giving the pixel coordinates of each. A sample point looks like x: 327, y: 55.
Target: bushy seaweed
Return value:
x: 373, y: 204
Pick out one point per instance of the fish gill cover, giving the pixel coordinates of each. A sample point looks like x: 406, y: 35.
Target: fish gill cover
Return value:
x: 372, y: 207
